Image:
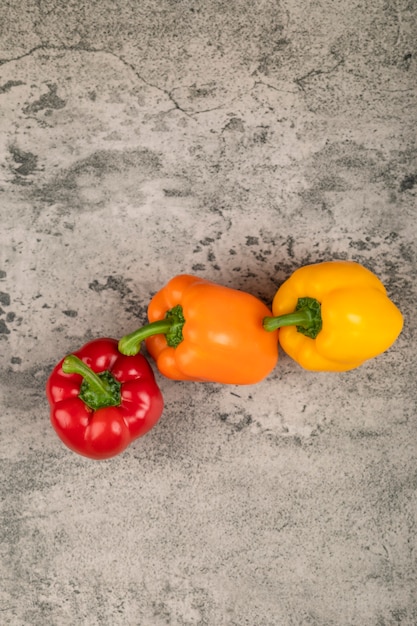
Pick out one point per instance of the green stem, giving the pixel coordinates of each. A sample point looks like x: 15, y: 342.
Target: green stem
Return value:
x: 130, y: 344
x: 306, y: 317
x: 170, y: 326
x: 298, y: 318
x: 73, y: 365
x: 97, y: 390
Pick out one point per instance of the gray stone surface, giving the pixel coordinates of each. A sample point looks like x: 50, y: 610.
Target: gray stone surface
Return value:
x: 236, y: 141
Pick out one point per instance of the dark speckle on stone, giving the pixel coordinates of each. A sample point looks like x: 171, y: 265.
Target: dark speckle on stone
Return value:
x: 252, y: 241
x: 364, y: 434
x: 261, y: 135
x: 70, y: 313
x: 408, y: 182
x: 26, y: 160
x: 3, y: 328
x: 290, y: 246
x: 9, y: 85
x: 245, y: 421
x: 4, y: 298
x: 368, y: 244
x: 49, y: 100
x: 235, y: 124
x: 176, y: 193
x: 115, y: 283
x: 201, y: 92
x: 3, y: 274
x: 407, y: 58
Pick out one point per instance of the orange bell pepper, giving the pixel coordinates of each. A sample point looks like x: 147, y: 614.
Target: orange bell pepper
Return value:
x: 202, y: 331
x: 334, y: 316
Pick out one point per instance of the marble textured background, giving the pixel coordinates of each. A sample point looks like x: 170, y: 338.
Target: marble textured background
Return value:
x: 237, y: 141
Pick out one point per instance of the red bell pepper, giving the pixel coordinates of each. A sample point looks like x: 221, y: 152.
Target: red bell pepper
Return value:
x: 102, y: 400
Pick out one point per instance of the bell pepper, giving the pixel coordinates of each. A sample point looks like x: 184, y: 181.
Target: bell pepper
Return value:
x: 334, y: 316
x: 102, y: 400
x: 202, y: 331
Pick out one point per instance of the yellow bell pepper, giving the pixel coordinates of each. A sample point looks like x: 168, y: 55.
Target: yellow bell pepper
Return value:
x: 334, y: 316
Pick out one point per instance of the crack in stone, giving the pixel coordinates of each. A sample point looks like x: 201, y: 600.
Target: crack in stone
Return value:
x: 302, y: 79
x: 22, y: 56
x: 269, y: 86
x: 168, y: 93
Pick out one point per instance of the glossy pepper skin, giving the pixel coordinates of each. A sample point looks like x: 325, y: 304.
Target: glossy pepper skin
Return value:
x: 356, y: 319
x: 100, y: 418
x: 207, y: 332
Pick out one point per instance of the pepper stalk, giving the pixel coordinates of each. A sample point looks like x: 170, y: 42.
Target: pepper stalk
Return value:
x: 97, y: 390
x: 171, y: 326
x: 306, y: 317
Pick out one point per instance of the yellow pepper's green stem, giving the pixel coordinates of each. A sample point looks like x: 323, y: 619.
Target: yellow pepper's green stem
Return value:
x: 306, y: 317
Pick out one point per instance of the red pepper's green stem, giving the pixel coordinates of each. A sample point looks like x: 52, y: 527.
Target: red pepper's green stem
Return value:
x: 170, y: 326
x: 73, y: 365
x: 306, y: 317
x: 97, y: 390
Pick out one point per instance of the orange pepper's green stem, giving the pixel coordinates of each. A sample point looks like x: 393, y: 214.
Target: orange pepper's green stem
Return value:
x: 306, y: 317
x: 170, y: 326
x: 97, y: 390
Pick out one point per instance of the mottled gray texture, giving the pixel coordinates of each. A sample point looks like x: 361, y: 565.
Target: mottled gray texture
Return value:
x: 237, y: 141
